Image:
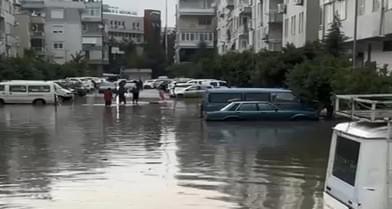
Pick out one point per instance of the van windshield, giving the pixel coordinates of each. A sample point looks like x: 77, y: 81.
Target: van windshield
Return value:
x: 346, y: 160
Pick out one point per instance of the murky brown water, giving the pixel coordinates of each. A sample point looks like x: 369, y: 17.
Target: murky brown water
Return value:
x: 154, y: 157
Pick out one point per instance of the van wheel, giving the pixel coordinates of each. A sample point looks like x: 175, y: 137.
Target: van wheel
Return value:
x: 2, y: 102
x: 39, y: 102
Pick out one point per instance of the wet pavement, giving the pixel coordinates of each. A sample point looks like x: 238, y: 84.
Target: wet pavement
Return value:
x: 156, y: 156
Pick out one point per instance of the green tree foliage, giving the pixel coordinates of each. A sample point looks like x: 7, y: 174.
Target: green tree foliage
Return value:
x: 334, y: 40
x: 32, y: 67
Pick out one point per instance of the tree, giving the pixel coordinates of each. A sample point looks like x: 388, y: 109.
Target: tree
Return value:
x: 335, y: 39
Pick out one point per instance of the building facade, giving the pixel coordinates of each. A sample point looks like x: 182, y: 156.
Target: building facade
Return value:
x: 195, y: 27
x: 301, y: 21
x: 124, y: 27
x: 93, y: 35
x: 234, y: 25
x: 152, y: 26
x: 55, y: 28
x: 267, y: 25
x: 8, y: 38
x: 374, y: 33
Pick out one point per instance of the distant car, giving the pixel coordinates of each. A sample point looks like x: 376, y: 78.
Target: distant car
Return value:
x: 259, y: 111
x: 149, y: 84
x: 106, y: 85
x: 195, y: 91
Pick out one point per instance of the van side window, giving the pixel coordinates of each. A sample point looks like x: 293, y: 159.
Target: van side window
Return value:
x: 257, y: 97
x: 214, y: 84
x: 18, y: 88
x: 225, y: 97
x: 285, y: 97
x: 39, y: 89
x: 2, y: 87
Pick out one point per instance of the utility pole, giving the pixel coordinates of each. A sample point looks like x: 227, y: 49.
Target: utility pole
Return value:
x: 355, y: 35
x: 166, y: 44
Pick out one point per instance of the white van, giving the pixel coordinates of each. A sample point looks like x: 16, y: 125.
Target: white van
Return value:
x: 31, y: 92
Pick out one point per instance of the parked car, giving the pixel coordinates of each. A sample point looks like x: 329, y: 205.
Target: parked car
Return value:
x: 31, y: 92
x: 107, y: 85
x: 148, y: 84
x: 76, y: 88
x: 196, y: 91
x: 255, y: 110
x: 209, y: 82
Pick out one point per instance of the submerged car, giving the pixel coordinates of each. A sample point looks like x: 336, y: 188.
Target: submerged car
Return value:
x: 259, y: 111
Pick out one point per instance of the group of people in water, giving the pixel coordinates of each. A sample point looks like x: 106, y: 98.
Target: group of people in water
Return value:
x: 109, y: 93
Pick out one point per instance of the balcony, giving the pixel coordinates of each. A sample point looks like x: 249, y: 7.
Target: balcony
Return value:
x: 243, y: 30
x: 275, y: 17
x: 38, y: 50
x: 37, y: 19
x: 230, y: 4
x: 38, y: 34
x: 275, y: 45
x: 194, y: 44
x: 186, y: 11
x: 245, y: 10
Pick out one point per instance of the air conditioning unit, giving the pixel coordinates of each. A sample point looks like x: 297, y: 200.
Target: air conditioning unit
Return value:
x: 299, y: 2
x: 34, y: 27
x: 282, y: 8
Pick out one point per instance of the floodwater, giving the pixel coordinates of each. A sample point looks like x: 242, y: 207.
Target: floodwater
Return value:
x: 156, y: 156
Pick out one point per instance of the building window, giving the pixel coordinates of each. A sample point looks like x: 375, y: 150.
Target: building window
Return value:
x: 192, y: 36
x: 57, y: 14
x: 58, y: 29
x: 286, y: 28
x: 210, y: 36
x: 361, y: 7
x: 376, y: 5
x: 387, y: 46
x: 183, y: 36
x: 205, y: 20
x: 293, y: 24
x: 301, y: 22
x: 58, y: 45
x: 341, y: 9
x: 328, y: 14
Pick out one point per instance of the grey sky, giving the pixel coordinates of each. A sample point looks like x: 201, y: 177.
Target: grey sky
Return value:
x: 140, y: 5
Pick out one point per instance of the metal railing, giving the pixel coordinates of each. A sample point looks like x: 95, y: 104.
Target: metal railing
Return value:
x: 374, y: 108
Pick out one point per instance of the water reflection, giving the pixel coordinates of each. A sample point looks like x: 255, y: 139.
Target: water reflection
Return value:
x: 155, y: 156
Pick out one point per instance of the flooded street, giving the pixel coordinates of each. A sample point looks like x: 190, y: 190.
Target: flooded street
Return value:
x: 156, y: 156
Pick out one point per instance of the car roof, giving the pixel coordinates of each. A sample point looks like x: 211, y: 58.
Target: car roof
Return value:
x: 249, y: 90
x: 250, y: 102
x: 24, y: 82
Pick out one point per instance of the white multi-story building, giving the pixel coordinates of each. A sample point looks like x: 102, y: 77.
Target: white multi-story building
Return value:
x: 123, y: 26
x: 8, y: 39
x: 55, y: 28
x: 93, y: 34
x: 195, y: 24
x: 374, y: 27
x: 268, y: 25
x: 234, y: 23
x: 301, y: 21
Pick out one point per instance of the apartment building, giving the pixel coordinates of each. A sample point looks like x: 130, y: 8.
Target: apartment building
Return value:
x: 301, y: 21
x: 374, y: 33
x: 93, y: 35
x: 123, y: 26
x: 195, y: 24
x: 8, y: 39
x: 268, y: 25
x: 55, y: 28
x: 234, y: 25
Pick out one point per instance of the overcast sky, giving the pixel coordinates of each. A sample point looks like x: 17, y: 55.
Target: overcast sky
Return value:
x: 140, y: 5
